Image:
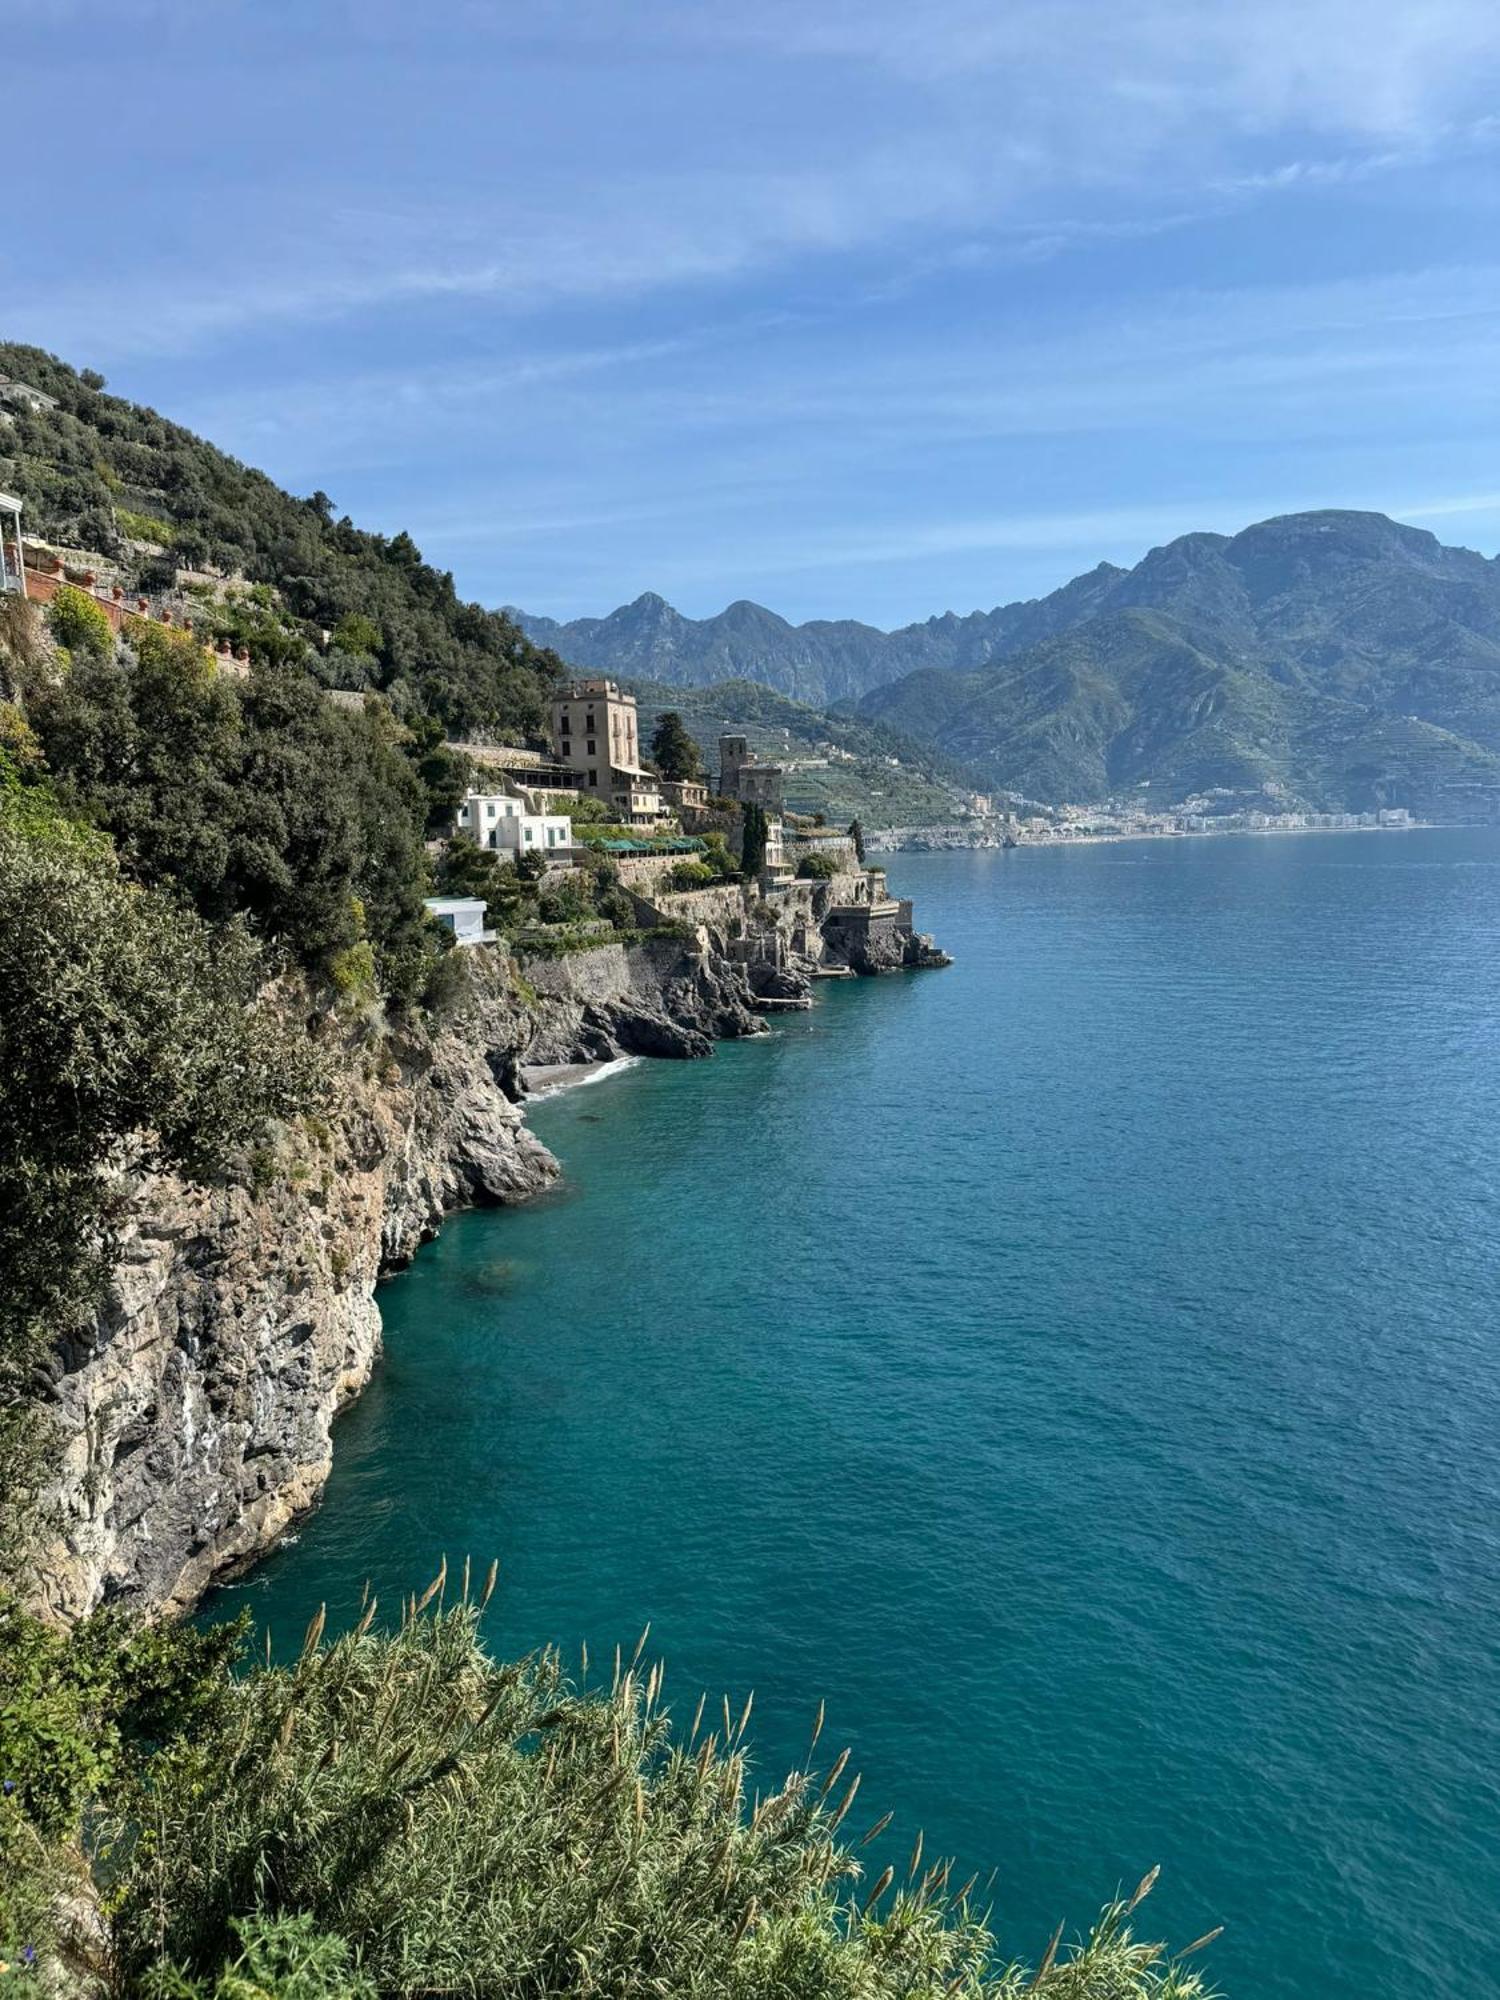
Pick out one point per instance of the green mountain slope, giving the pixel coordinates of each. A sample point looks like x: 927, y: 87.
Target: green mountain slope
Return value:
x: 113, y: 477
x: 1339, y: 660
x: 1342, y: 658
x: 839, y: 765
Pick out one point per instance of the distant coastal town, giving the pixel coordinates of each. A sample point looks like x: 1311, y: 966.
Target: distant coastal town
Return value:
x: 987, y: 828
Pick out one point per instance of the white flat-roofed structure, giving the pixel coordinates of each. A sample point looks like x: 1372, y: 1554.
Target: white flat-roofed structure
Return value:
x: 23, y: 396
x: 463, y: 915
x: 498, y: 821
x: 12, y: 567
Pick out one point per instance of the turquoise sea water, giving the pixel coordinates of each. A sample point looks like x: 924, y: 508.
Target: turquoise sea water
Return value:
x: 1079, y: 1366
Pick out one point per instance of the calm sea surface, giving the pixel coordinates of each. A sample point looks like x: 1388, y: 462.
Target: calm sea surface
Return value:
x: 1081, y: 1367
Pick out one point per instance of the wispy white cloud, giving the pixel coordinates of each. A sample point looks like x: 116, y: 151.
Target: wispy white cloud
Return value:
x: 601, y: 295
x: 1171, y: 108
x: 1372, y: 67
x: 1449, y: 507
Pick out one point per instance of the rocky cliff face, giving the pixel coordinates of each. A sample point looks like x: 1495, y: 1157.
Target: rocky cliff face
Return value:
x: 663, y: 998
x: 196, y: 1419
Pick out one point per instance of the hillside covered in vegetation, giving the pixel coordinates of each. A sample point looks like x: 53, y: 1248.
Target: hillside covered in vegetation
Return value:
x: 359, y: 610
x: 842, y: 766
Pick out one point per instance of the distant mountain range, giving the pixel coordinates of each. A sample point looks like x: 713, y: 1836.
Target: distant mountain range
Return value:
x: 1335, y: 658
x: 819, y: 663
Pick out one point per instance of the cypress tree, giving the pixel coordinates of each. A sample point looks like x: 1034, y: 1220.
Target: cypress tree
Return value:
x: 753, y: 849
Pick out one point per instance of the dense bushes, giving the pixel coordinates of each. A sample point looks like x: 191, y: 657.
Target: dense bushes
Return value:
x: 398, y: 1814
x: 80, y: 623
x: 516, y: 898
x: 693, y: 875
x: 817, y: 868
x: 262, y: 801
x: 83, y: 1712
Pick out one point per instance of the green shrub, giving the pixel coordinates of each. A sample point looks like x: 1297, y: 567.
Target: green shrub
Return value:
x: 82, y: 1710
x: 352, y: 971
x: 616, y: 907
x: 281, y: 1958
x: 693, y: 875
x: 80, y: 622
x: 144, y: 527
x: 355, y: 633
x: 568, y: 903
x: 716, y: 856
x: 817, y: 868
x: 588, y: 809
x: 171, y: 647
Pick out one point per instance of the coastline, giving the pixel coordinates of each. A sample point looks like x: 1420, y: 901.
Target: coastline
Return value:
x: 544, y: 1080
x: 917, y: 845
x: 197, y: 1420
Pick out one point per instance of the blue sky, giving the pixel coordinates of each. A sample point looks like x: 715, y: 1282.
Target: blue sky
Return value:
x: 856, y: 309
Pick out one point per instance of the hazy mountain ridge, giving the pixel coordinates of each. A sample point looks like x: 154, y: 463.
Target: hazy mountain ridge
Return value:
x: 819, y: 663
x: 1343, y: 658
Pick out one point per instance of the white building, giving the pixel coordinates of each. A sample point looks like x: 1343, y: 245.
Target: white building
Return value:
x: 23, y: 396
x: 12, y: 566
x: 498, y: 821
x: 463, y: 915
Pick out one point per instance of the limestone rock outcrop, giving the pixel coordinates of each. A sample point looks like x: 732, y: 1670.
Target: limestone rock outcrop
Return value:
x: 662, y: 998
x: 195, y: 1421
